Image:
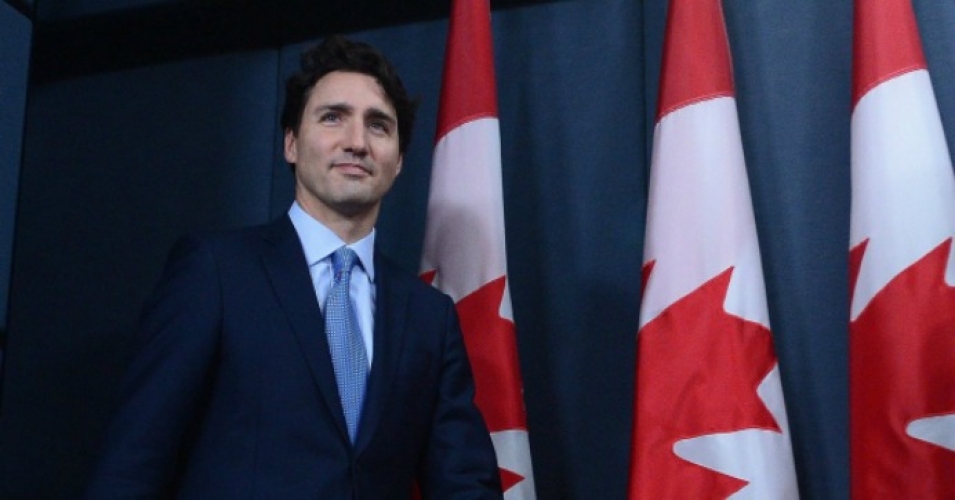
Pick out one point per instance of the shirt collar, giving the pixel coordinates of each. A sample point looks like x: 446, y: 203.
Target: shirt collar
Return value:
x: 318, y: 241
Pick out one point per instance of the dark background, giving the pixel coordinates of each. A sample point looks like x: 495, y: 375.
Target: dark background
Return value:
x: 124, y: 124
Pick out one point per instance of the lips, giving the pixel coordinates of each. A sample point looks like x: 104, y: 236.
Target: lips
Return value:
x: 352, y: 169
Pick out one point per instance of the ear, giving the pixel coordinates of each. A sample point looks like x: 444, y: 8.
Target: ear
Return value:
x: 291, y: 147
x: 401, y: 160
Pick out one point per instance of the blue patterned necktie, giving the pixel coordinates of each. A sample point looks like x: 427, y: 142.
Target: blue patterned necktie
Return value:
x: 345, y: 341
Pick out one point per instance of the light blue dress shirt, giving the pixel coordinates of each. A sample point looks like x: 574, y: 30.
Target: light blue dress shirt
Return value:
x: 319, y: 242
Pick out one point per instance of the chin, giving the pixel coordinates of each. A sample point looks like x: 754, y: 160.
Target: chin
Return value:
x: 354, y: 206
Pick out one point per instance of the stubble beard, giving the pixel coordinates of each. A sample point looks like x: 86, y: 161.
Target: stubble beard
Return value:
x: 348, y: 200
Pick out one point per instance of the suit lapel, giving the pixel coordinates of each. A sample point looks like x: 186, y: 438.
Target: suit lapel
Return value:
x: 285, y: 264
x: 390, y: 312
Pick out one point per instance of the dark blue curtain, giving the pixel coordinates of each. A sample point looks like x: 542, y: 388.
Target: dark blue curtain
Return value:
x: 116, y: 165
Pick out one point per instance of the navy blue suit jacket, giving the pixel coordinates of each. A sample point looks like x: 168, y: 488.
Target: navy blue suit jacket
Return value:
x: 232, y: 394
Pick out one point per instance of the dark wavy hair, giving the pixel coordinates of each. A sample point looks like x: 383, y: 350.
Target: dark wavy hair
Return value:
x: 338, y: 53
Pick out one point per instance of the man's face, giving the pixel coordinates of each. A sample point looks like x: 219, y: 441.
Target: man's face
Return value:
x: 346, y: 151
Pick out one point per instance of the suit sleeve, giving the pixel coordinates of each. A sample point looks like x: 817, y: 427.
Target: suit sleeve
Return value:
x: 460, y: 462
x: 166, y: 382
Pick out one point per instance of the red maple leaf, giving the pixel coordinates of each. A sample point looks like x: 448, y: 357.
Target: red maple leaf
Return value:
x: 509, y: 478
x: 697, y: 374
x: 902, y: 368
x: 492, y: 349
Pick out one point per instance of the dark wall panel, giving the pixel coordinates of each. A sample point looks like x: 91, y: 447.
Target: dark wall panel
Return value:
x: 54, y: 10
x: 14, y: 68
x: 115, y: 167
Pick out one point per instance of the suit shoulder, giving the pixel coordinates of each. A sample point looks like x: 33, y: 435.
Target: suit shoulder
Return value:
x: 230, y: 235
x: 227, y: 241
x: 400, y: 276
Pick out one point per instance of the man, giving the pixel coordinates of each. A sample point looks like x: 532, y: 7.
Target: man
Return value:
x: 261, y: 377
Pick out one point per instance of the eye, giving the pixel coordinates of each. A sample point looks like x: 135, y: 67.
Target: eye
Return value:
x: 330, y: 117
x: 380, y: 127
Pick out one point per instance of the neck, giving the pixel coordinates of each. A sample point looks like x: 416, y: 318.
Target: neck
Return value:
x: 349, y: 226
x: 348, y: 230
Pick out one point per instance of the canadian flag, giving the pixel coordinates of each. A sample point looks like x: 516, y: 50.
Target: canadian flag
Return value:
x: 464, y: 251
x: 709, y: 419
x: 902, y: 306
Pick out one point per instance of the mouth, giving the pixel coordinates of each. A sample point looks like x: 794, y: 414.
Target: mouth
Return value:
x: 352, y: 169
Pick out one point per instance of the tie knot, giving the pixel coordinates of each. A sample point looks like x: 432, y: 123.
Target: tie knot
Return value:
x: 342, y: 262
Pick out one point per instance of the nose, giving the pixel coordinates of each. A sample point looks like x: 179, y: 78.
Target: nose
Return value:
x: 355, y: 140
